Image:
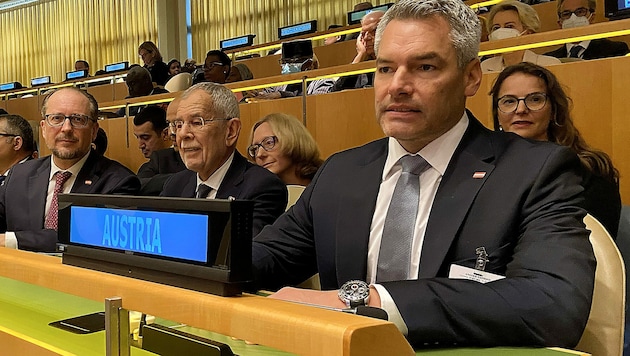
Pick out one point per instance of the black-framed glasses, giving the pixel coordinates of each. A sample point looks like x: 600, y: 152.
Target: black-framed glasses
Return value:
x: 211, y: 65
x: 267, y: 143
x: 195, y: 124
x: 579, y: 12
x: 77, y: 121
x: 533, y: 101
x: 8, y: 135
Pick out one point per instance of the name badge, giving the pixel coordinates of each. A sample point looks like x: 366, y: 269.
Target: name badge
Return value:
x: 461, y: 272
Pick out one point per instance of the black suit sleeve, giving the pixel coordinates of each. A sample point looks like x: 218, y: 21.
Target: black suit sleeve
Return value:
x: 270, y: 201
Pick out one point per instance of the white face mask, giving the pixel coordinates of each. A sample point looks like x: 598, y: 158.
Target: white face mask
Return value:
x: 503, y: 33
x: 576, y: 21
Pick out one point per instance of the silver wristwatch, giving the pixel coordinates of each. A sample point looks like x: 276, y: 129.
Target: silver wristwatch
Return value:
x: 355, y: 293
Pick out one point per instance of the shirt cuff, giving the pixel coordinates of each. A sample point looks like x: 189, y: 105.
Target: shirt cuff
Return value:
x: 10, y: 240
x: 388, y: 304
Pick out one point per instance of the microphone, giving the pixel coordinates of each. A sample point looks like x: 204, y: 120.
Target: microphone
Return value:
x: 364, y: 310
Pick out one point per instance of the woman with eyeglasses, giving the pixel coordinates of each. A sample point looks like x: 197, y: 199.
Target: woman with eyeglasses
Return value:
x: 528, y: 100
x: 280, y: 143
x: 152, y: 59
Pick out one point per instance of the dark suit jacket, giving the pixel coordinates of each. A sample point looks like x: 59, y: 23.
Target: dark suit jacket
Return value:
x: 243, y: 180
x: 161, y: 165
x: 523, y: 211
x: 603, y: 201
x: 600, y: 48
x: 23, y: 196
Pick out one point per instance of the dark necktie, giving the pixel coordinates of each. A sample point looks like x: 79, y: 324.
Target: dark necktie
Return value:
x: 575, y: 51
x: 394, y: 257
x: 203, y: 191
x: 2, y: 178
x: 52, y: 218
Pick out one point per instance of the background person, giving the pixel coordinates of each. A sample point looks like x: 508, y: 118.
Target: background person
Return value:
x: 152, y: 58
x: 239, y: 72
x: 174, y: 68
x: 528, y: 100
x: 281, y: 144
x: 509, y: 19
x: 17, y: 144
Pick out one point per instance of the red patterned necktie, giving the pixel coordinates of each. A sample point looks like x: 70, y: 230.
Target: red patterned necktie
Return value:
x: 51, y: 217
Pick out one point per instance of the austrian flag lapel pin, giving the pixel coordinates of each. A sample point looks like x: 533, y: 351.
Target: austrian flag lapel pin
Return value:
x: 88, y: 182
x: 479, y: 175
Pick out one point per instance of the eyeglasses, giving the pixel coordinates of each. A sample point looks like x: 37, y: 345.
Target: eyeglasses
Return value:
x: 267, y: 143
x: 579, y: 12
x: 533, y: 101
x: 195, y: 124
x: 8, y: 135
x: 211, y: 65
x: 77, y: 121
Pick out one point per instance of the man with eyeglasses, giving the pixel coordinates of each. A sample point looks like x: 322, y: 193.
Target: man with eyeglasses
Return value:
x: 16, y: 143
x: 207, y: 127
x: 28, y: 198
x: 579, y: 13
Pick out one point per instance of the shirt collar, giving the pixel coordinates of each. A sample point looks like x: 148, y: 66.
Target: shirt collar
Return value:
x: 584, y: 45
x: 215, y: 179
x: 74, y: 169
x: 437, y: 153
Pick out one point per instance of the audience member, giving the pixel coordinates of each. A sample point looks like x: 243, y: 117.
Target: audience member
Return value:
x: 28, y: 198
x: 280, y: 143
x: 174, y: 68
x: 189, y: 65
x: 139, y: 83
x: 365, y: 52
x: 359, y: 7
x: 497, y: 202
x: 163, y: 163
x: 17, y: 143
x: 151, y: 130
x: 297, y: 56
x: 529, y: 101
x: 579, y: 13
x: 239, y: 72
x: 334, y: 39
x: 509, y: 19
x: 207, y: 127
x: 216, y: 68
x: 82, y: 65
x: 152, y: 59
x: 100, y: 142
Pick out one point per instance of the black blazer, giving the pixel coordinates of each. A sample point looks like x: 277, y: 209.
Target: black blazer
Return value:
x: 600, y: 48
x: 154, y: 173
x: 23, y: 196
x: 524, y: 211
x: 243, y: 180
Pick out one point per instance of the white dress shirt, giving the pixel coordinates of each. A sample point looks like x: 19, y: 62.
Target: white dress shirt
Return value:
x: 438, y: 154
x: 215, y: 179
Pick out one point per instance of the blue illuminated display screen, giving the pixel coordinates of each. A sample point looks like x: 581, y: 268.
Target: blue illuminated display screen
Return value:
x: 175, y: 235
x: 234, y: 42
x: 76, y: 74
x: 116, y: 67
x: 40, y: 81
x: 299, y: 29
x: 7, y: 86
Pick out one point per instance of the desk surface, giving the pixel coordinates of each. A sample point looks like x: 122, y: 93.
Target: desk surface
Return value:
x: 27, y: 309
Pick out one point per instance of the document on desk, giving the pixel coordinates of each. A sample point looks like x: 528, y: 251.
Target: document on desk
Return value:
x: 461, y: 272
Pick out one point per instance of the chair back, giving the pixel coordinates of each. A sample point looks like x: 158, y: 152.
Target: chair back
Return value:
x: 181, y: 81
x: 294, y: 194
x: 604, y: 330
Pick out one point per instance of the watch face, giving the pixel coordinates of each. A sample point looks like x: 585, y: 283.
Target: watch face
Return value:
x: 354, y: 291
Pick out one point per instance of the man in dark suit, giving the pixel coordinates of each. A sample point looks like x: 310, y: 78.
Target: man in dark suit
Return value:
x: 16, y: 142
x: 28, y: 206
x: 578, y: 13
x: 207, y: 129
x: 490, y: 248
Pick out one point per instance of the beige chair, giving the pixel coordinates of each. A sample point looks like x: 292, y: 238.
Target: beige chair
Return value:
x: 294, y: 194
x: 181, y: 81
x: 604, y: 330
x: 570, y: 60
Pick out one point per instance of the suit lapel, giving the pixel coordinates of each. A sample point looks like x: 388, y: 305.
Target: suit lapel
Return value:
x: 233, y: 177
x: 355, y: 214
x: 471, y: 164
x: 88, y: 175
x: 38, y: 191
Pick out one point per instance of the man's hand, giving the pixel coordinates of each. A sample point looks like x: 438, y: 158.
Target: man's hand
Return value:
x: 361, y: 50
x: 325, y: 298
x: 2, y: 240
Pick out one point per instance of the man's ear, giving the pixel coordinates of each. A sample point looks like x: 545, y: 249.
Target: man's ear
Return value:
x: 232, y: 131
x: 18, y: 141
x: 472, y: 77
x: 165, y: 135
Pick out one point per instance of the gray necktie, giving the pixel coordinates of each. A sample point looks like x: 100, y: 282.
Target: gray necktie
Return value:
x: 203, y: 191
x: 394, y: 257
x: 575, y: 51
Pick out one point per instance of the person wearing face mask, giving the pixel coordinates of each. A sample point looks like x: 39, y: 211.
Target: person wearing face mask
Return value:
x: 297, y: 56
x: 529, y: 101
x: 510, y: 19
x: 580, y: 13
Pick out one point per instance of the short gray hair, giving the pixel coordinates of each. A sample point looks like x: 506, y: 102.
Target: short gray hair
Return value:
x: 465, y: 27
x: 224, y: 103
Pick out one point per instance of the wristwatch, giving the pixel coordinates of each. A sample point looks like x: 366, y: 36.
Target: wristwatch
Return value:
x: 354, y: 293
